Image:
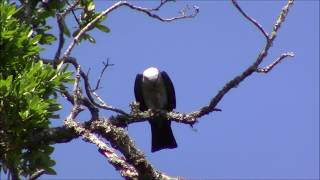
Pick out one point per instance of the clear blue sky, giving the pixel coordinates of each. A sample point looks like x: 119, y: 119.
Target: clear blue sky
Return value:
x: 269, y: 126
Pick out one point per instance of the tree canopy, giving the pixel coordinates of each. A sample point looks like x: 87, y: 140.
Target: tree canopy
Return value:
x: 30, y: 85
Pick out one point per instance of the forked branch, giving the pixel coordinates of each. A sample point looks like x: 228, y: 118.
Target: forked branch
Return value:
x: 119, y: 4
x: 191, y: 118
x: 111, y: 129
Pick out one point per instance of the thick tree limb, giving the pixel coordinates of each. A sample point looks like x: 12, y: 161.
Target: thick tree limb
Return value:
x: 117, y: 137
x: 125, y: 169
x: 54, y: 135
x: 120, y: 140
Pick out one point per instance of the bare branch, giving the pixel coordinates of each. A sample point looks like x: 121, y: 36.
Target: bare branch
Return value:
x: 52, y: 135
x: 61, y: 39
x: 60, y: 18
x: 120, y: 140
x: 191, y: 118
x: 275, y: 62
x: 253, y: 21
x: 162, y: 2
x: 149, y: 13
x: 125, y: 169
x: 104, y: 68
x: 71, y: 8
x: 119, y: 163
x: 76, y: 96
x: 89, y: 91
x: 251, y: 69
x: 135, y: 165
x: 89, y: 102
x: 117, y: 5
x: 281, y: 19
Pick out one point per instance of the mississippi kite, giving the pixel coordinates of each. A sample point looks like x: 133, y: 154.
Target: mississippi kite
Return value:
x: 154, y: 90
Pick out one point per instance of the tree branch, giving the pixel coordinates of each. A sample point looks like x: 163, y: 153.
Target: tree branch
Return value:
x: 251, y: 69
x: 162, y: 2
x: 71, y: 8
x: 253, y: 21
x: 120, y: 4
x: 149, y: 12
x: 60, y: 17
x: 191, y: 118
x: 37, y: 174
x: 121, y: 141
x: 89, y: 91
x: 275, y: 62
x: 54, y: 135
x: 105, y: 65
x: 61, y: 39
x: 125, y: 169
x: 135, y: 165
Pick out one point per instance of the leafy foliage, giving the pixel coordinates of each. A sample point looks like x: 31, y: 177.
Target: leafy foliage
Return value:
x: 27, y: 85
x: 87, y: 16
x: 27, y: 96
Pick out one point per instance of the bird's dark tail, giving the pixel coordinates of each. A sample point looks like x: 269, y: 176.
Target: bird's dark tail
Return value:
x: 162, y: 136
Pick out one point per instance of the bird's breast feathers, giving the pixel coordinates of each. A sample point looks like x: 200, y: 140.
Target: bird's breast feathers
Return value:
x: 155, y: 95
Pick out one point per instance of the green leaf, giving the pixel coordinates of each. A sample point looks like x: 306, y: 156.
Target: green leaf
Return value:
x: 88, y: 37
x: 49, y: 150
x: 47, y: 39
x: 91, y: 6
x: 51, y: 163
x: 51, y: 171
x: 103, y: 28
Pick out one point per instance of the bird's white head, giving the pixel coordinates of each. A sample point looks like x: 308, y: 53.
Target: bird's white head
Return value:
x: 151, y: 73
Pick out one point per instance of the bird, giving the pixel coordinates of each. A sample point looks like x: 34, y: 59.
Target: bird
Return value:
x: 154, y: 90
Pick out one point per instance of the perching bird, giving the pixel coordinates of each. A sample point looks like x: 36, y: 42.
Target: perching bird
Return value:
x: 154, y: 90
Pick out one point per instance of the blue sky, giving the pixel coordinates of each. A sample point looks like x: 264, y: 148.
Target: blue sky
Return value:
x: 269, y: 125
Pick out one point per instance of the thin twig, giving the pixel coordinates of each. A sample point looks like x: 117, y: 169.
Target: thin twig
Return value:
x: 149, y: 13
x: 112, y: 8
x: 162, y: 2
x: 253, y: 21
x: 89, y: 91
x: 275, y: 62
x: 101, y: 74
x: 71, y: 8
